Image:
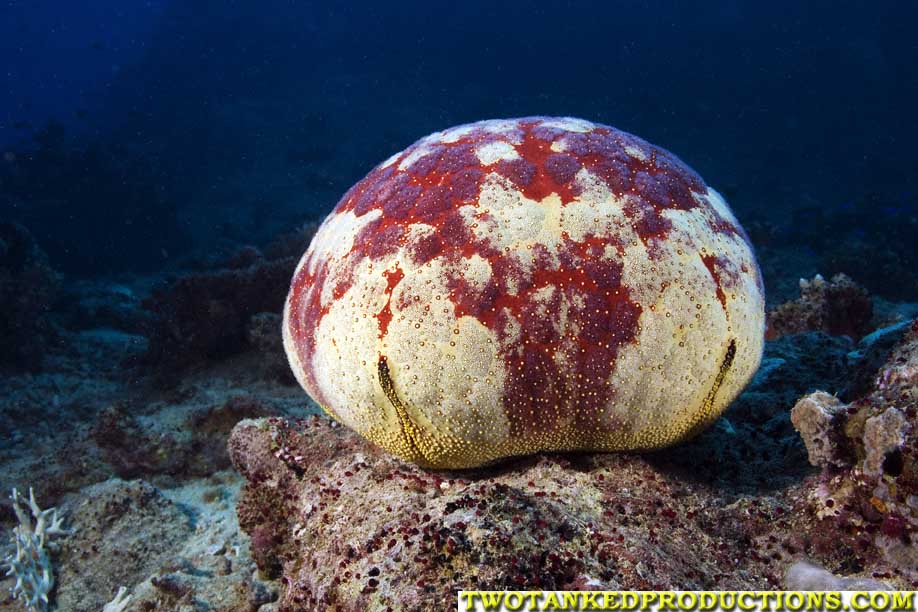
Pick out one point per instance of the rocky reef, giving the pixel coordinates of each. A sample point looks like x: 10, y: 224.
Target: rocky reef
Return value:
x: 559, y: 522
x: 141, y: 473
x: 838, y: 307
x: 583, y: 521
x: 137, y: 469
x: 27, y: 290
x: 867, y: 492
x: 208, y: 315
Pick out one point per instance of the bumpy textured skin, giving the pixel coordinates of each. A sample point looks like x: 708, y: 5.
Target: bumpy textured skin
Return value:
x: 514, y: 286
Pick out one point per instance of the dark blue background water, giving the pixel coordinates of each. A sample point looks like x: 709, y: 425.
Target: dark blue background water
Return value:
x: 138, y: 133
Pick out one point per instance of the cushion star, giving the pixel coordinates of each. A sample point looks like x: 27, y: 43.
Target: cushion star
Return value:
x: 514, y: 286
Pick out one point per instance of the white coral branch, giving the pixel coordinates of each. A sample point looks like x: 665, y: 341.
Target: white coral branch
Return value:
x: 119, y: 603
x: 31, y: 563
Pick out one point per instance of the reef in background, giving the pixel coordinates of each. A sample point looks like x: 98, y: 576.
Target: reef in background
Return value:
x: 215, y: 313
x: 28, y: 287
x: 136, y: 459
x: 839, y: 307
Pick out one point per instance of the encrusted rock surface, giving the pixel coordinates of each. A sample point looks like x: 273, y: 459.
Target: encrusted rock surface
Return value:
x: 344, y: 524
x: 604, y: 521
x: 868, y: 450
x: 838, y: 306
x: 818, y: 418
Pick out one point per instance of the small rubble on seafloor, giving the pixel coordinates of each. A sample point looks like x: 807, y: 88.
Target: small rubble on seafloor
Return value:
x: 123, y: 419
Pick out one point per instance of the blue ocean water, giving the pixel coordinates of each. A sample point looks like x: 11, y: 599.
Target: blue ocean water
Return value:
x: 137, y: 132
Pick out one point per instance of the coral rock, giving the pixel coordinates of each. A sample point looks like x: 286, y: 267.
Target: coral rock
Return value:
x: 839, y: 307
x: 884, y: 434
x: 819, y: 417
x: 512, y: 286
x: 870, y: 355
x: 869, y: 449
x: 347, y: 526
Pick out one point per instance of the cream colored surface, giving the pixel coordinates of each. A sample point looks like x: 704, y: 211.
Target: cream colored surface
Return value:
x: 447, y: 371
